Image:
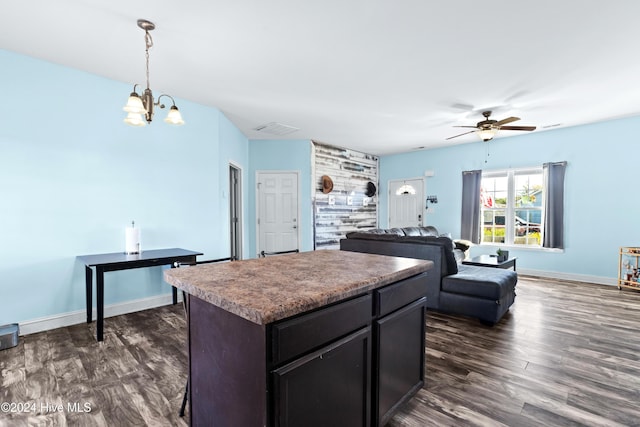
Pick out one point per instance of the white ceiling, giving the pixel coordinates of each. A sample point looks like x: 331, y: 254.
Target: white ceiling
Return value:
x: 379, y: 76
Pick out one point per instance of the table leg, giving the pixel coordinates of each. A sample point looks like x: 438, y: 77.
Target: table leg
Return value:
x: 100, y: 303
x: 174, y: 291
x: 89, y: 292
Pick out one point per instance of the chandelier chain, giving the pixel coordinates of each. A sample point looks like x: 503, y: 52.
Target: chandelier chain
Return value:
x: 149, y: 43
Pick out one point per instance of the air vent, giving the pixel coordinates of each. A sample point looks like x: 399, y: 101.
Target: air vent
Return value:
x: 552, y: 126
x: 274, y: 128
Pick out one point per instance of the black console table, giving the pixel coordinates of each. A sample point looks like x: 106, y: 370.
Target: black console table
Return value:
x: 121, y: 261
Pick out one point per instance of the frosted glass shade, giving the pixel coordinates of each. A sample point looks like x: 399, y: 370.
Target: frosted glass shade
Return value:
x: 134, y: 104
x: 174, y: 117
x: 135, y: 119
x: 487, y: 134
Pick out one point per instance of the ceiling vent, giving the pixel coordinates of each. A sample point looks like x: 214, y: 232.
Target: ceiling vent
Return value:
x: 274, y: 128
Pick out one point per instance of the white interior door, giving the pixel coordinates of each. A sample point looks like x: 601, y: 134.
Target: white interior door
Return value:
x: 277, y: 211
x: 406, y: 199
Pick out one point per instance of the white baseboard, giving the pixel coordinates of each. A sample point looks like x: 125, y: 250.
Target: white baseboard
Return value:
x: 80, y: 316
x: 569, y: 276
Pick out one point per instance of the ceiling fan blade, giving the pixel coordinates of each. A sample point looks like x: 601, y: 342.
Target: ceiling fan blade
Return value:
x: 528, y: 128
x: 505, y: 121
x: 473, y: 127
x: 451, y: 137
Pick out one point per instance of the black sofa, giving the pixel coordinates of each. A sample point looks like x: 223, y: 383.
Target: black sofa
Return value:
x: 482, y: 292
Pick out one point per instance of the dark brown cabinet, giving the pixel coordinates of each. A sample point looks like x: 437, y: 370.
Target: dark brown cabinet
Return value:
x: 399, y: 339
x: 400, y: 358
x: 329, y: 387
x: 351, y: 363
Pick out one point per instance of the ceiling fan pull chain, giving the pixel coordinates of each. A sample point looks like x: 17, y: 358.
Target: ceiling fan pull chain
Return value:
x: 486, y: 159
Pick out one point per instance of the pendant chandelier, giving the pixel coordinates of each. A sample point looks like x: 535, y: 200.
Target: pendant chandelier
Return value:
x: 139, y: 105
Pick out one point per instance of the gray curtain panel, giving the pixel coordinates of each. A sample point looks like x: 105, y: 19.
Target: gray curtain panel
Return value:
x: 470, y: 218
x: 553, y: 176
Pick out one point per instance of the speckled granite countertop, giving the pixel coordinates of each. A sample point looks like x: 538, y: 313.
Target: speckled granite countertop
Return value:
x: 268, y: 289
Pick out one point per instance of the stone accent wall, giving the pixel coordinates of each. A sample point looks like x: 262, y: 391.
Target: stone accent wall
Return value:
x: 346, y: 208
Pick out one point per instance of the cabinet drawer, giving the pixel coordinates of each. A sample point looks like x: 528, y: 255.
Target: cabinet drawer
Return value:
x: 294, y: 337
x: 399, y: 294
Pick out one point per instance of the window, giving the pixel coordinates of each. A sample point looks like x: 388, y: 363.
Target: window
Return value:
x: 511, y: 207
x: 406, y: 189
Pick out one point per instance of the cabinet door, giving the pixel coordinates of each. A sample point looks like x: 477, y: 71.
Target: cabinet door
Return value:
x: 330, y: 387
x: 400, y: 366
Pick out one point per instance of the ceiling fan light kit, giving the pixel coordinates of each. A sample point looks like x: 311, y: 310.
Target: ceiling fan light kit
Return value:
x: 488, y: 128
x: 139, y: 105
x: 487, y: 134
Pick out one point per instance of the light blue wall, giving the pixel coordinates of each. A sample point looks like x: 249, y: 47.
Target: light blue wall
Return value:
x: 73, y: 176
x: 234, y: 149
x: 601, y: 203
x: 294, y: 155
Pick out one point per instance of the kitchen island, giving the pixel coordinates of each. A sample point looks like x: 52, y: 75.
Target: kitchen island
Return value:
x: 314, y: 338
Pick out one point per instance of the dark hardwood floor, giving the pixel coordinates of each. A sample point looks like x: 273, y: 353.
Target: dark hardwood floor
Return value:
x: 566, y: 354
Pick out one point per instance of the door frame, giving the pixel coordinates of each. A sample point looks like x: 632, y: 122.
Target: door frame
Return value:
x: 257, y: 202
x: 239, y: 210
x: 421, y: 201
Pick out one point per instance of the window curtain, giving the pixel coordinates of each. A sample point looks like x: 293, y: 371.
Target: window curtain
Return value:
x: 470, y: 218
x: 553, y: 176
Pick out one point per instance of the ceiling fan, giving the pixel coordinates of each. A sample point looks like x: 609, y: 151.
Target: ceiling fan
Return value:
x: 487, y: 128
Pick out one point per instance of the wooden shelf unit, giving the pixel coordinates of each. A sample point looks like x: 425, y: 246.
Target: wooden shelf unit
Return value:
x: 630, y: 254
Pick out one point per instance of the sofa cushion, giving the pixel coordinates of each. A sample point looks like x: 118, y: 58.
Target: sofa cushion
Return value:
x: 411, y: 231
x: 429, y: 230
x: 483, y: 282
x: 374, y: 231
x: 444, y: 242
x: 396, y: 231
